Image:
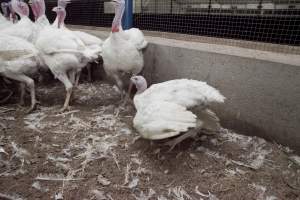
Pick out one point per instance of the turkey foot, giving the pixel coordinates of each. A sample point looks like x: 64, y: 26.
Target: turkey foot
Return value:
x: 177, y: 140
x: 32, y: 108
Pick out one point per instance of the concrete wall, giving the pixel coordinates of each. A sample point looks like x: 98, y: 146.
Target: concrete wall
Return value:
x: 262, y: 88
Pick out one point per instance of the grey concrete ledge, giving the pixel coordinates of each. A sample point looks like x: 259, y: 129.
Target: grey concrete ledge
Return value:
x: 289, y: 59
x: 279, y: 48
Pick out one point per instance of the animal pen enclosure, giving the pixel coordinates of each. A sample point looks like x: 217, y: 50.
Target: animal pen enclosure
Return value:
x: 267, y: 21
x: 93, y: 152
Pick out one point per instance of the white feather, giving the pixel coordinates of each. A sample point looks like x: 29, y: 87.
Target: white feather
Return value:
x: 4, y: 23
x: 62, y: 51
x: 24, y: 29
x: 185, y: 92
x: 136, y: 37
x: 18, y: 56
x: 88, y: 39
x: 121, y: 55
x: 162, y: 119
x: 162, y: 108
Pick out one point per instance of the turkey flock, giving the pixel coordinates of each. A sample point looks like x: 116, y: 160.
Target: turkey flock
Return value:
x: 164, y: 110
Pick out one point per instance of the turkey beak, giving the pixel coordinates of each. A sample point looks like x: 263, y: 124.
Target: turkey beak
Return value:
x: 131, y: 80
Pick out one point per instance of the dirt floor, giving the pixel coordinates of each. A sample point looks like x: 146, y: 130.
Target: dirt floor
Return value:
x: 93, y: 153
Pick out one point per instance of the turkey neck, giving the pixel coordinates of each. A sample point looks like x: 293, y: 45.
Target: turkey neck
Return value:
x: 117, y: 22
x: 39, y: 14
x: 20, y: 8
x: 141, y: 88
x: 61, y: 16
x: 5, y: 11
x: 35, y: 11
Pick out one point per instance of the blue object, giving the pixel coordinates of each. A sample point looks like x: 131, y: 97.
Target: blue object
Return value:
x: 127, y: 20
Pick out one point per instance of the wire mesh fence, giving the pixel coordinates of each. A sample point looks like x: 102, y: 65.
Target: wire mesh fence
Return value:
x: 260, y: 24
x: 84, y: 12
x: 225, y: 21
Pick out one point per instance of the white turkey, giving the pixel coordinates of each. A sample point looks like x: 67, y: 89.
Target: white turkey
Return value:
x: 18, y: 60
x: 90, y: 41
x: 64, y: 54
x: 24, y: 28
x: 122, y: 52
x: 163, y: 110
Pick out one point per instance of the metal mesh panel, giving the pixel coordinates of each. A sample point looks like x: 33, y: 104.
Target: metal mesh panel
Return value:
x: 224, y: 21
x: 260, y: 24
x: 84, y: 12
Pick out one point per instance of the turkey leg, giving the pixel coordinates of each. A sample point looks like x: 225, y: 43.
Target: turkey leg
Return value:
x: 68, y: 85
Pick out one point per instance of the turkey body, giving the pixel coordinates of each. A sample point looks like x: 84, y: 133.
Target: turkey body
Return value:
x: 24, y: 29
x: 4, y: 23
x: 19, y: 59
x: 164, y: 110
x: 121, y: 55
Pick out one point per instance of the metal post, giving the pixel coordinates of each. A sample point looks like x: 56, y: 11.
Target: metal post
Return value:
x: 259, y: 7
x: 209, y: 7
x: 128, y: 15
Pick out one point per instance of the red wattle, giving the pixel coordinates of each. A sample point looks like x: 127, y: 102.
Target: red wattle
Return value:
x: 115, y: 29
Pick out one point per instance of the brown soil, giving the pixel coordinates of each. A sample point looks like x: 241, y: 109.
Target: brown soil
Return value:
x: 90, y: 153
